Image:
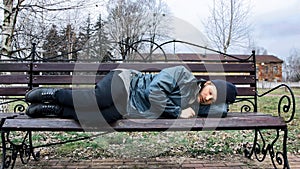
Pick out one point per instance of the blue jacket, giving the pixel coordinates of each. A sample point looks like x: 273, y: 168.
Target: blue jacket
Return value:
x: 162, y: 95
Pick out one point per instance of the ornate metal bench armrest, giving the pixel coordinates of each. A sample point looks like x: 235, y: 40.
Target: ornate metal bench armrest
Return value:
x: 286, y: 104
x: 19, y: 104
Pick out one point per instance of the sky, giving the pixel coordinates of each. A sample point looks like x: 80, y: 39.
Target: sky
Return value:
x: 276, y: 23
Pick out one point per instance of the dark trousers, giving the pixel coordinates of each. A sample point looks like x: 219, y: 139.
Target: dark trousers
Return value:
x: 106, y: 102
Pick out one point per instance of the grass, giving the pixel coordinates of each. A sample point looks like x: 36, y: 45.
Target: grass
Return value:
x: 155, y: 144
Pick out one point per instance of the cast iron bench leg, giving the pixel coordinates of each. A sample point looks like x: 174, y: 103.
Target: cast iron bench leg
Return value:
x: 7, y: 160
x: 10, y: 150
x: 260, y: 149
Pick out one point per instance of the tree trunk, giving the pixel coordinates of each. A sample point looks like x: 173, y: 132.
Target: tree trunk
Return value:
x: 8, y: 26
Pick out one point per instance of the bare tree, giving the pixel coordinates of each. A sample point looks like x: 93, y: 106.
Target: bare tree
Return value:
x: 130, y: 21
x: 157, y: 21
x: 228, y: 24
x: 292, y: 66
x: 24, y: 20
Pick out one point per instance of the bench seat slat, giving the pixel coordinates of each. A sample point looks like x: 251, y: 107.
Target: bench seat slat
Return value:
x: 8, y: 115
x: 232, y: 122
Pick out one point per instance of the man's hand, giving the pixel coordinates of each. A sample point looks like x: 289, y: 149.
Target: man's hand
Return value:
x: 187, y: 113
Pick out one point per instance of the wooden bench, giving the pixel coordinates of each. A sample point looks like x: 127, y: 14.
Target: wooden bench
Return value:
x: 21, y: 77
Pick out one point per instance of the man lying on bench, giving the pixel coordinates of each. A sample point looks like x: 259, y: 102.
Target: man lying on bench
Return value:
x: 123, y: 93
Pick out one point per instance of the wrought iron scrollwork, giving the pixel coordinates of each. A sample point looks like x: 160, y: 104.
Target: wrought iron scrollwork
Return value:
x: 34, y: 56
x: 11, y: 150
x: 286, y: 104
x: 286, y: 107
x: 246, y: 107
x: 17, y: 107
x: 261, y: 148
x: 25, y: 148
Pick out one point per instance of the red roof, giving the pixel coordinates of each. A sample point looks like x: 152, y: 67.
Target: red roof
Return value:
x: 268, y: 59
x: 211, y: 57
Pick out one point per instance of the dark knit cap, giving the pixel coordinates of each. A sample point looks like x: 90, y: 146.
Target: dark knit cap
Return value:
x: 226, y: 91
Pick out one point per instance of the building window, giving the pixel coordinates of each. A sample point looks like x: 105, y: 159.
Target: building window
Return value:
x: 266, y: 69
x: 275, y: 70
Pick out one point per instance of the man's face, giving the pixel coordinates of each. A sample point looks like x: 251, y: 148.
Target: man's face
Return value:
x: 208, y: 94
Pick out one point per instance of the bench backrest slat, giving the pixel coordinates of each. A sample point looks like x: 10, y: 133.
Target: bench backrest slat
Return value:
x: 146, y: 67
x: 14, y: 67
x: 14, y: 79
x: 14, y: 91
x: 88, y: 79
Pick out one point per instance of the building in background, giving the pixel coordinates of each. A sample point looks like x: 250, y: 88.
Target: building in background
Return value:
x: 269, y: 68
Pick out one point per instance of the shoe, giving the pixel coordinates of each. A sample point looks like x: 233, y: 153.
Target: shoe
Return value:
x: 41, y: 95
x: 44, y: 110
